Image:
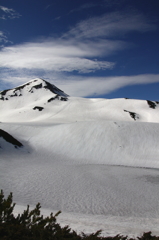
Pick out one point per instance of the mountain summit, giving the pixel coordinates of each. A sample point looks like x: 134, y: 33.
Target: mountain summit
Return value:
x: 31, y: 87
x: 39, y: 100
x: 20, y: 101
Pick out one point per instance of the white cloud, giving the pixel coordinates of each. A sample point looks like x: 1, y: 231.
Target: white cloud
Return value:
x: 3, y: 37
x: 80, y: 86
x: 110, y: 25
x: 8, y: 13
x: 95, y: 86
x: 82, y: 49
x: 57, y: 55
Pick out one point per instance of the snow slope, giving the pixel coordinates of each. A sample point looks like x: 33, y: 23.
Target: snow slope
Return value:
x: 38, y: 100
x: 96, y: 160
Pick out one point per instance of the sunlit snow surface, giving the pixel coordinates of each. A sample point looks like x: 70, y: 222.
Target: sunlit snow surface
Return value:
x: 86, y: 157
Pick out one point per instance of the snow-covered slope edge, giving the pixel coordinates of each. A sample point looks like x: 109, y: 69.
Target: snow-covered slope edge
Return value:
x: 104, y: 142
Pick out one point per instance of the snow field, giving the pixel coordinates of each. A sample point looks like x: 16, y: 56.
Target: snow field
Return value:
x: 88, y: 158
x: 77, y: 176
x: 104, y: 142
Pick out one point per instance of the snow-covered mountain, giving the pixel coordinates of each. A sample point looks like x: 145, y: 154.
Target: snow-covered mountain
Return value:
x: 90, y: 158
x: 39, y: 100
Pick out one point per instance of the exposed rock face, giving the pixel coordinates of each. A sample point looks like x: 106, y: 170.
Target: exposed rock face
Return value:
x: 134, y: 115
x: 152, y: 104
x: 8, y: 138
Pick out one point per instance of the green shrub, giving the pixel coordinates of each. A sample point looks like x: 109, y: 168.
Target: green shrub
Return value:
x: 31, y: 225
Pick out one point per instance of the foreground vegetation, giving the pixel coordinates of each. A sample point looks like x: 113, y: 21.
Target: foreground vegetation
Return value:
x: 31, y: 225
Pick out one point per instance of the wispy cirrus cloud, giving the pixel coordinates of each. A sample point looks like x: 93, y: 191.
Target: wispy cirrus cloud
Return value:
x: 83, y: 49
x: 8, y: 13
x: 3, y: 37
x: 79, y: 86
x: 80, y: 48
x: 95, y: 86
x: 110, y: 25
x: 84, y: 6
x: 56, y: 55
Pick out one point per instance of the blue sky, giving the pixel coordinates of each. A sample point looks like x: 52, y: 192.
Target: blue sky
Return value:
x: 88, y: 48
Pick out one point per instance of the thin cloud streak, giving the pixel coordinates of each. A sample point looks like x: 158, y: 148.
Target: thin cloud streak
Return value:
x: 57, y: 56
x: 96, y: 86
x: 3, y: 37
x: 79, y: 47
x: 9, y: 13
x: 80, y: 50
x: 85, y: 6
x: 110, y: 25
x: 80, y: 86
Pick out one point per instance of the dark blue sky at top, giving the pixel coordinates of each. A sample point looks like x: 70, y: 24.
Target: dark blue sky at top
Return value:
x: 53, y: 18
